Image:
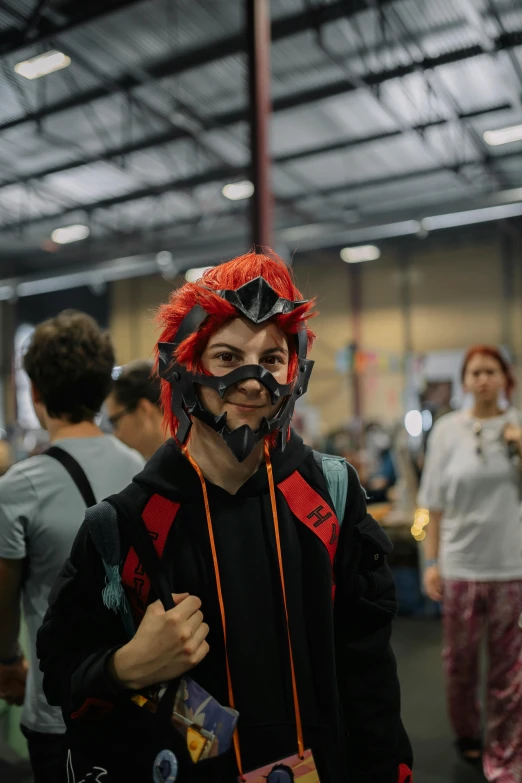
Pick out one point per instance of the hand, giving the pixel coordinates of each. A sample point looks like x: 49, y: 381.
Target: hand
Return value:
x: 12, y: 682
x: 433, y: 583
x: 166, y: 645
x: 513, y: 434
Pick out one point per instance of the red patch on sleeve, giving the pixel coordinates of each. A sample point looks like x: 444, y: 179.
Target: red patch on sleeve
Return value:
x: 404, y: 774
x: 100, y: 707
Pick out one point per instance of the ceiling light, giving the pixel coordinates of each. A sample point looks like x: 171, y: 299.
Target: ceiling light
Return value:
x: 413, y: 423
x: 503, y: 135
x: 235, y: 191
x: 471, y: 216
x: 191, y: 275
x: 354, y: 255
x: 70, y: 234
x: 42, y: 65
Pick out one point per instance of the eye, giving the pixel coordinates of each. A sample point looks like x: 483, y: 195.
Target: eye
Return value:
x: 272, y: 360
x: 226, y: 357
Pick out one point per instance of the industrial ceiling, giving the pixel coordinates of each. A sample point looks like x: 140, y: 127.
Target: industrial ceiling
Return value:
x: 379, y: 113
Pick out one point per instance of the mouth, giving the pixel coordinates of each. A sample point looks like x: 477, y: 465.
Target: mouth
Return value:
x: 242, y: 407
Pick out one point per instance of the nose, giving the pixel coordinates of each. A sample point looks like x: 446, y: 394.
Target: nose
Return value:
x: 252, y: 387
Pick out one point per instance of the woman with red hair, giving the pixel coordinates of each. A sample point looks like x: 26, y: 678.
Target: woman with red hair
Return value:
x: 266, y: 578
x: 471, y: 485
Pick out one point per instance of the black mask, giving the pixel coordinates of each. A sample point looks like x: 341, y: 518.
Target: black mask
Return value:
x: 257, y: 301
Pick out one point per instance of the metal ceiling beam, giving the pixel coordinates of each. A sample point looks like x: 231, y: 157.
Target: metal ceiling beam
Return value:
x: 233, y: 45
x: 45, y: 28
x: 174, y: 134
x: 223, y: 174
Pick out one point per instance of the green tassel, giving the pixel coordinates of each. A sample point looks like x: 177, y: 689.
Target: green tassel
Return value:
x: 113, y: 594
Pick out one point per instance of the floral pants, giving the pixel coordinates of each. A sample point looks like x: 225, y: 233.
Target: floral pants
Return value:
x: 472, y: 610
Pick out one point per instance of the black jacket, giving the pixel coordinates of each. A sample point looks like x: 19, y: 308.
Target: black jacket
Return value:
x: 345, y: 669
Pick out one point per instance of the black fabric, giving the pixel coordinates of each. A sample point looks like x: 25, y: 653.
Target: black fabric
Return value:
x: 48, y: 756
x: 102, y: 522
x: 345, y: 670
x: 75, y: 471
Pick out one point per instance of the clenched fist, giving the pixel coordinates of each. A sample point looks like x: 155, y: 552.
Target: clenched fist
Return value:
x: 12, y: 682
x: 166, y: 645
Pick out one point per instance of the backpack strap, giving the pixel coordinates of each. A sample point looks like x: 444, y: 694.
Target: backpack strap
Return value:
x: 102, y: 523
x: 148, y: 533
x: 335, y: 471
x: 142, y: 569
x: 312, y: 510
x: 75, y: 471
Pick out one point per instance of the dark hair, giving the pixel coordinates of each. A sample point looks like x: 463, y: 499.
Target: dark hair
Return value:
x: 494, y: 353
x: 69, y: 360
x: 137, y: 382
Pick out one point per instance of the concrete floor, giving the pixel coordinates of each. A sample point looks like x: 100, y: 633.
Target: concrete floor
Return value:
x: 417, y: 645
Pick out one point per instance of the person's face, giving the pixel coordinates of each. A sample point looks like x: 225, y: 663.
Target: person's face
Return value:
x: 131, y: 427
x: 484, y: 378
x: 238, y: 343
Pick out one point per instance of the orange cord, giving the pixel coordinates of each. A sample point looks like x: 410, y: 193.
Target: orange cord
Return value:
x: 220, y: 599
x: 300, y: 742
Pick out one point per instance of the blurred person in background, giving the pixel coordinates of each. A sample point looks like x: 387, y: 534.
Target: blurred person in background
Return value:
x: 69, y: 362
x: 381, y: 473
x: 134, y: 409
x: 471, y: 486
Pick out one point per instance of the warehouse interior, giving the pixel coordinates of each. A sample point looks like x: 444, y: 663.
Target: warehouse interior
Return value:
x: 374, y: 145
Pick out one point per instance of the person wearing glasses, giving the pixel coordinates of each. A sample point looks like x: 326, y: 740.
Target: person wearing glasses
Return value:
x: 134, y: 410
x: 471, y: 487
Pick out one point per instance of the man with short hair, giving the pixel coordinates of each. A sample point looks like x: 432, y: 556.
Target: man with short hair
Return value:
x: 69, y: 362
x: 133, y: 408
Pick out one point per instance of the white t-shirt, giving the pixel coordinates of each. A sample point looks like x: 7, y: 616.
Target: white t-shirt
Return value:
x: 479, y: 496
x: 41, y: 511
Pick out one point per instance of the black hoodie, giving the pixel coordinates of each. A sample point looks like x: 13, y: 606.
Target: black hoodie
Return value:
x: 345, y: 670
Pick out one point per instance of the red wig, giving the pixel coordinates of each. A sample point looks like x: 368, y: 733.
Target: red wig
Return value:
x: 231, y: 276
x: 493, y: 353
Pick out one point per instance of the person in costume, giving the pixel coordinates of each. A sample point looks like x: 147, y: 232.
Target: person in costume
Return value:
x: 276, y: 596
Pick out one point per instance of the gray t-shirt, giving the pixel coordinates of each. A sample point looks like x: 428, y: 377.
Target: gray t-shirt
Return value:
x: 41, y: 511
x: 479, y: 496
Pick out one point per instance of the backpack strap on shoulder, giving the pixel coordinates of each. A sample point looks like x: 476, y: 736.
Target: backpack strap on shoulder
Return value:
x: 335, y: 471
x: 102, y: 523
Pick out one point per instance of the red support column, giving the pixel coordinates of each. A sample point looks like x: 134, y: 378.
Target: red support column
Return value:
x: 258, y: 51
x: 356, y: 307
